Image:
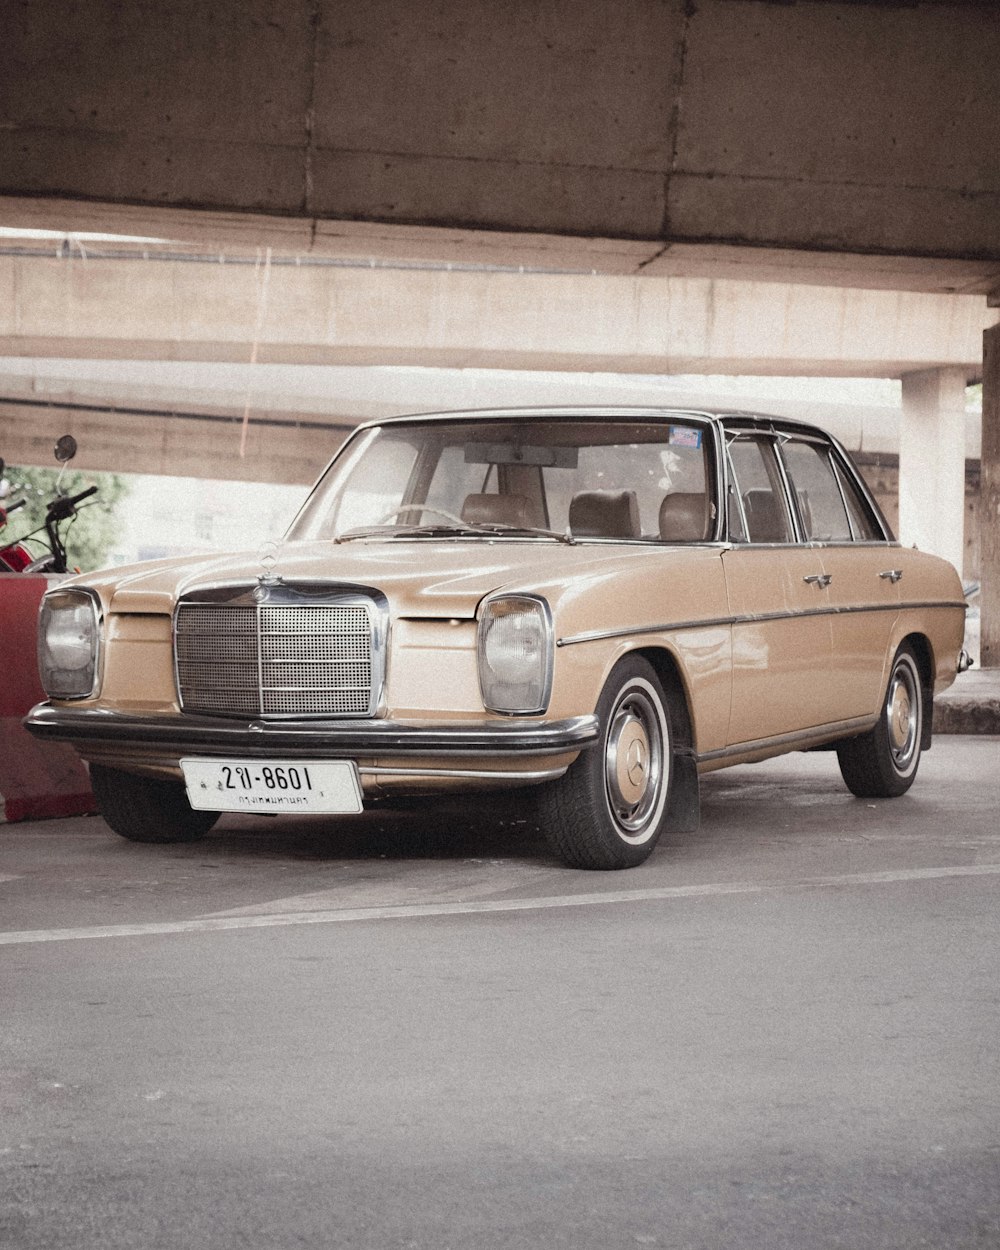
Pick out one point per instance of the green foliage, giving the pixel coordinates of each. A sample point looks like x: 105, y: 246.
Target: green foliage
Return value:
x: 89, y: 536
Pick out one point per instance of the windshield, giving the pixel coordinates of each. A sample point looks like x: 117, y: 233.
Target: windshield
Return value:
x: 622, y: 479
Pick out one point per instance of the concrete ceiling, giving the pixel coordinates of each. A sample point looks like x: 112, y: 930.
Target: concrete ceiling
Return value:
x: 653, y: 186
x: 834, y: 143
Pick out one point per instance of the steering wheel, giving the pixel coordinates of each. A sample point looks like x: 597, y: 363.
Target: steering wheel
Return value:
x: 421, y: 507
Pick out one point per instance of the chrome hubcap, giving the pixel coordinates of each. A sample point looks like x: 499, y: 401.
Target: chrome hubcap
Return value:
x: 902, y: 711
x: 634, y: 763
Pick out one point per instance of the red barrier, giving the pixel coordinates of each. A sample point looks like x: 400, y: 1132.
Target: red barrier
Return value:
x: 37, y: 779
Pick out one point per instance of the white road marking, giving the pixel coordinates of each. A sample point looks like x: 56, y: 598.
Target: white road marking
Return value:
x: 421, y: 882
x: 420, y: 911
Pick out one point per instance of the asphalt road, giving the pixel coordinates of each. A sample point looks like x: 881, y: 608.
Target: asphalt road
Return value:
x: 421, y: 1031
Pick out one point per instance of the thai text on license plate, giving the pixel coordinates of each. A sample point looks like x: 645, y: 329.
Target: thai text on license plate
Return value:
x: 276, y: 786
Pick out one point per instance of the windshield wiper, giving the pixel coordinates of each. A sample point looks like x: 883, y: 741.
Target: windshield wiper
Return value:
x: 491, y: 529
x: 528, y: 531
x: 404, y: 531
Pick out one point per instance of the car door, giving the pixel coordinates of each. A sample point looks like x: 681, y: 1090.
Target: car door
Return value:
x: 861, y: 579
x: 781, y: 630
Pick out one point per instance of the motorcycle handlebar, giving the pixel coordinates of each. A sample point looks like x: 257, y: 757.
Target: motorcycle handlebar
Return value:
x: 62, y: 506
x: 84, y: 494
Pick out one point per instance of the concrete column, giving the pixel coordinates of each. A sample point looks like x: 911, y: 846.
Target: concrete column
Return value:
x: 932, y: 463
x: 989, y: 503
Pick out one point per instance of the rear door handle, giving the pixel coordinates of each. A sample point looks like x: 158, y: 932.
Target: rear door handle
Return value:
x: 893, y: 575
x: 822, y: 580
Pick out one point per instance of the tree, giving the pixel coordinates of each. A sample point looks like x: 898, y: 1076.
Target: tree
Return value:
x: 89, y: 536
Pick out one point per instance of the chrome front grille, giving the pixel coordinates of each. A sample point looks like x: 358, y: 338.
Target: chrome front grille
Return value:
x: 288, y: 659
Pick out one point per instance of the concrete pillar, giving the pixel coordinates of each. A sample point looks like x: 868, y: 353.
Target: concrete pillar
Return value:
x: 932, y: 463
x: 989, y: 503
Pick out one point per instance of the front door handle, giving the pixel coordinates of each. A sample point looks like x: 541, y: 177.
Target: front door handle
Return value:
x: 893, y: 575
x: 822, y: 580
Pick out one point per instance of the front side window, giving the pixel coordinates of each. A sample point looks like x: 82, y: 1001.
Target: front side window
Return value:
x: 757, y: 511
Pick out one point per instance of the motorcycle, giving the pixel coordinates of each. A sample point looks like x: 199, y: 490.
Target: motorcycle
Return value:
x: 17, y: 557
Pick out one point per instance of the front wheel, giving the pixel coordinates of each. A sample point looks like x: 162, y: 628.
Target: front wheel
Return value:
x: 608, y: 810
x: 147, y: 809
x: 882, y: 763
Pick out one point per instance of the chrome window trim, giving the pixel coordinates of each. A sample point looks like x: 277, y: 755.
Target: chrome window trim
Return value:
x: 736, y: 424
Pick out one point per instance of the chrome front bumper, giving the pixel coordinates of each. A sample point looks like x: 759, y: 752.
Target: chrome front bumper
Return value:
x: 425, y: 748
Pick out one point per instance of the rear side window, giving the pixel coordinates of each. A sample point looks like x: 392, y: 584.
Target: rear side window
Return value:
x: 831, y: 508
x: 866, y: 528
x: 817, y: 492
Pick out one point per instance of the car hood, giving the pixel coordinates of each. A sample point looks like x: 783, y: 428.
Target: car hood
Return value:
x: 421, y: 578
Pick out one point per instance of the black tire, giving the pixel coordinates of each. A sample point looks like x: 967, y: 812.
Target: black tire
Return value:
x: 608, y: 810
x: 882, y: 763
x: 147, y: 809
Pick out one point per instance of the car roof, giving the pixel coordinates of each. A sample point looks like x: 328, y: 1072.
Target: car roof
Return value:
x: 716, y: 416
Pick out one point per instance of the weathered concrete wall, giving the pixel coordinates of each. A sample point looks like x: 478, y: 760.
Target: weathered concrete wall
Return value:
x: 881, y: 472
x: 177, y: 444
x: 816, y: 125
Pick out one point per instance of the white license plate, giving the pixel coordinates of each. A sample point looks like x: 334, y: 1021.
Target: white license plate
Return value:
x: 277, y: 786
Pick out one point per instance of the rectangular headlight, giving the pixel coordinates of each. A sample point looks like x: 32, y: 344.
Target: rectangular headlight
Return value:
x: 515, y: 654
x: 68, y: 643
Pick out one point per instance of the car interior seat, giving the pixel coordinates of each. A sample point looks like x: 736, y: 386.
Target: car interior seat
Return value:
x: 765, y: 517
x: 498, y: 510
x: 604, y: 514
x: 684, y: 516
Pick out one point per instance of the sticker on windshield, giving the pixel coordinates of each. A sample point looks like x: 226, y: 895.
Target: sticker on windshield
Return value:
x: 684, y: 436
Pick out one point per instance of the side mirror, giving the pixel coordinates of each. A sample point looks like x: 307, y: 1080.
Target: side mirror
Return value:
x: 65, y: 448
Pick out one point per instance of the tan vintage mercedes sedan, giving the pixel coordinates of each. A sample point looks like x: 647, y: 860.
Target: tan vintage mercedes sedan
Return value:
x: 581, y: 609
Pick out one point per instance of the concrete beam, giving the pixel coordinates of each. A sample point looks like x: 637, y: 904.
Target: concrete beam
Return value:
x: 233, y: 235
x: 825, y: 127
x: 277, y: 310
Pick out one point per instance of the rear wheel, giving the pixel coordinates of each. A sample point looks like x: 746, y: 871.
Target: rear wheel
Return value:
x: 882, y: 763
x: 147, y: 809
x: 608, y: 810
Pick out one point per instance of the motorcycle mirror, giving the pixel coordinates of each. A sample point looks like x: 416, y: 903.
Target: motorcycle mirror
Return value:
x: 65, y: 448
x: 3, y: 465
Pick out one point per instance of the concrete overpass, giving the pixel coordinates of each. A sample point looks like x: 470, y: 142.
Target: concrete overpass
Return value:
x: 682, y: 149
x: 168, y: 302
